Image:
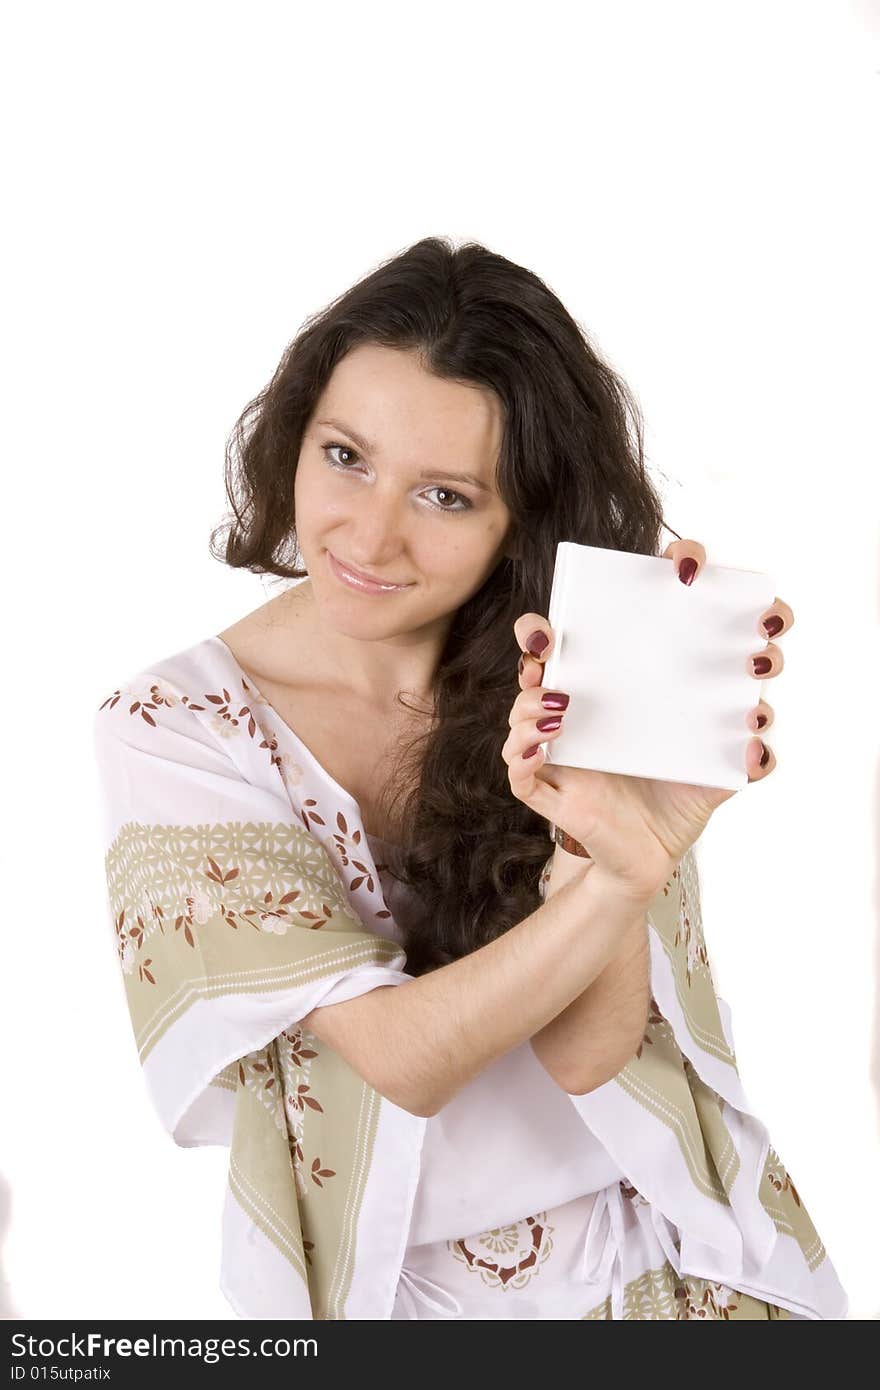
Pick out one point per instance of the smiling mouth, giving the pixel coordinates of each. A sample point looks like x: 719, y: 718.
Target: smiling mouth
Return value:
x: 367, y: 579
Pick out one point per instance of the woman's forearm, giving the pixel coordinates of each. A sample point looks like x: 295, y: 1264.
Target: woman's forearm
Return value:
x: 593, y: 1038
x: 420, y: 1042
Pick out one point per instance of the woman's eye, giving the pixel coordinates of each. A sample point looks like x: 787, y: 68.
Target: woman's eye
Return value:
x: 345, y: 449
x: 464, y: 503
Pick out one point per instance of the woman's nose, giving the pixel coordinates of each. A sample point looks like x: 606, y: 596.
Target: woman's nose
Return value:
x: 378, y: 538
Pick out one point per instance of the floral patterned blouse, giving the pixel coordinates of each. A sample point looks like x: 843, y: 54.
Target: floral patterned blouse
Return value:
x: 658, y: 1195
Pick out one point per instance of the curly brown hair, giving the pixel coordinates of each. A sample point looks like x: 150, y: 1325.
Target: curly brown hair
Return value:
x: 571, y: 468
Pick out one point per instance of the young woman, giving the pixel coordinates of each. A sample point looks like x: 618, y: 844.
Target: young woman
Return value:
x: 344, y: 793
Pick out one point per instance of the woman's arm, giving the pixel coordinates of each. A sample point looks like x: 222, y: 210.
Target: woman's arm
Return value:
x: 593, y: 1038
x: 420, y: 1042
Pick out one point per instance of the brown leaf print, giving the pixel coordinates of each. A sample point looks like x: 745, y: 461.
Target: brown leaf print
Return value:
x: 313, y: 917
x: 185, y: 921
x: 300, y: 1098
x: 225, y: 711
x: 156, y: 700
x: 655, y: 1018
x: 144, y: 972
x: 312, y: 815
x: 297, y: 1051
x: 217, y: 873
x: 317, y: 1172
x: 366, y: 877
x: 138, y: 705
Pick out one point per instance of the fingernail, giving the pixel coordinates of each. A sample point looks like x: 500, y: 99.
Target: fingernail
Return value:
x: 760, y: 720
x: 773, y: 625
x: 554, y: 699
x: 761, y: 664
x: 530, y: 752
x: 687, y: 569
x: 546, y: 725
x: 765, y: 756
x: 537, y: 642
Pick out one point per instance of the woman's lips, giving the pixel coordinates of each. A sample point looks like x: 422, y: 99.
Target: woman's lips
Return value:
x: 362, y: 582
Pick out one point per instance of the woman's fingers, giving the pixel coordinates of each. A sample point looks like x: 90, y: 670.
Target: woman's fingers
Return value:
x: 534, y: 636
x: 531, y: 722
x: 687, y: 557
x: 761, y: 717
x: 525, y: 758
x: 777, y: 619
x: 767, y: 663
x: 759, y: 759
x: 522, y: 750
x: 537, y: 703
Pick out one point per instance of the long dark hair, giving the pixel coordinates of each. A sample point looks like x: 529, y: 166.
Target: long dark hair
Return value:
x: 571, y: 468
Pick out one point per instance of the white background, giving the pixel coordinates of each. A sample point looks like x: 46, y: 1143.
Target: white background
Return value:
x: 185, y: 183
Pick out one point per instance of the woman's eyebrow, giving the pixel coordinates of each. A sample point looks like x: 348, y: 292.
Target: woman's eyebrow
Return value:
x: 367, y: 447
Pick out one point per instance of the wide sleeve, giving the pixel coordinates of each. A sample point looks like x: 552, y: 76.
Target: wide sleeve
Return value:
x: 228, y: 916
x: 235, y: 909
x: 698, y: 1158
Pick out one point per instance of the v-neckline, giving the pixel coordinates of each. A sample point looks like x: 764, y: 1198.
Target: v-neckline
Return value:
x: 337, y: 787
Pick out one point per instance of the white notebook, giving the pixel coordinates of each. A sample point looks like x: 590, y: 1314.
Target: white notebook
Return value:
x: 658, y: 671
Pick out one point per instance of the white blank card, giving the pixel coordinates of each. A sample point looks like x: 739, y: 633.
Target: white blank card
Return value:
x: 658, y: 671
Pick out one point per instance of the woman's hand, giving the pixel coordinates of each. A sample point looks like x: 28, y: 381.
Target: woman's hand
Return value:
x: 635, y: 829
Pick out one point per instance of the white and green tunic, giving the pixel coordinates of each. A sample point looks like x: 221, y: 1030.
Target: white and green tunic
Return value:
x: 243, y: 893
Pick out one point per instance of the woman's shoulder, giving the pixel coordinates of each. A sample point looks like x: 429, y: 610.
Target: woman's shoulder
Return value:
x: 205, y: 670
x: 269, y: 641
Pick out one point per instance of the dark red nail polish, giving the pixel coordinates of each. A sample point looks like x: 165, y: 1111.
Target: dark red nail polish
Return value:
x: 546, y: 725
x: 554, y: 699
x: 530, y: 752
x: 762, y: 665
x: 760, y: 720
x: 687, y: 569
x: 537, y: 642
x: 765, y: 756
x: 773, y: 625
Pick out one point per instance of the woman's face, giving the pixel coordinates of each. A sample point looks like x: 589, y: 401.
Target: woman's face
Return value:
x: 376, y: 488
